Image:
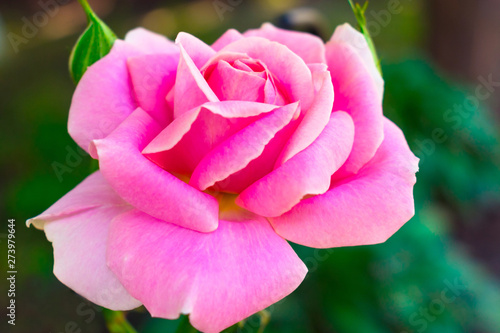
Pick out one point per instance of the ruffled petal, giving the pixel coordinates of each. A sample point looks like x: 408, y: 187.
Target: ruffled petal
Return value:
x: 181, y: 145
x: 307, y: 46
x: 77, y: 225
x: 357, y: 94
x: 145, y: 185
x: 218, y: 278
x: 240, y: 149
x: 366, y: 208
x: 104, y: 96
x: 307, y: 173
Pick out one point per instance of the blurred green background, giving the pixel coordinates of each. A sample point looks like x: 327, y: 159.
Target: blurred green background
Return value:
x: 439, y: 273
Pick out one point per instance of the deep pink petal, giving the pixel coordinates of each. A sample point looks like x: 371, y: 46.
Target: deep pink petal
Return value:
x: 149, y: 42
x: 227, y: 38
x: 366, y: 208
x: 229, y: 83
x: 240, y: 149
x: 290, y: 71
x: 197, y: 50
x: 153, y: 76
x: 313, y: 121
x: 218, y: 278
x: 145, y: 185
x: 191, y: 90
x: 308, y: 46
x: 77, y: 225
x: 181, y: 145
x: 306, y: 173
x: 348, y: 35
x: 103, y: 97
x: 357, y: 94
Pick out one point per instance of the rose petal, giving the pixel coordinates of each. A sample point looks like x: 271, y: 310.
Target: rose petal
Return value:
x: 357, y: 94
x: 218, y: 278
x: 306, y: 173
x: 313, y: 121
x: 229, y: 83
x: 227, y: 38
x: 347, y: 34
x: 309, y: 47
x: 191, y: 89
x: 366, y: 208
x: 237, y: 151
x: 103, y: 97
x: 289, y: 69
x: 149, y: 42
x: 181, y: 145
x: 153, y: 76
x: 145, y: 185
x: 90, y: 193
x: 198, y: 51
x: 77, y: 225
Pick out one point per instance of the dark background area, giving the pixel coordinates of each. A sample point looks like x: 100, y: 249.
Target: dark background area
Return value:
x: 436, y: 57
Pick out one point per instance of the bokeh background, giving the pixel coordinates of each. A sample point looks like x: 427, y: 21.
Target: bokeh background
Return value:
x: 440, y: 273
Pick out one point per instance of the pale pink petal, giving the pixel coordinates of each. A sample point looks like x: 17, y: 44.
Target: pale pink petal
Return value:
x: 307, y: 173
x: 153, y: 76
x: 181, y: 145
x: 145, y: 185
x: 90, y: 193
x: 197, y: 50
x: 237, y: 151
x: 313, y: 121
x: 308, y: 46
x: 357, y: 94
x: 347, y: 34
x: 77, y: 225
x: 218, y: 278
x: 149, y: 42
x: 366, y: 208
x: 290, y: 71
x: 227, y: 38
x: 191, y: 90
x: 103, y: 97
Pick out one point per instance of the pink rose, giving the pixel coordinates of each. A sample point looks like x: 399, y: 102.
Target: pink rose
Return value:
x: 212, y: 157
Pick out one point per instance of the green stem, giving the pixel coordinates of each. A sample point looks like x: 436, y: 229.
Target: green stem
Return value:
x: 359, y: 13
x: 86, y: 8
x: 185, y: 326
x: 116, y: 322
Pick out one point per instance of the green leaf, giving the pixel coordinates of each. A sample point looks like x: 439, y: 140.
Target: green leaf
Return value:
x: 95, y: 42
x: 359, y: 13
